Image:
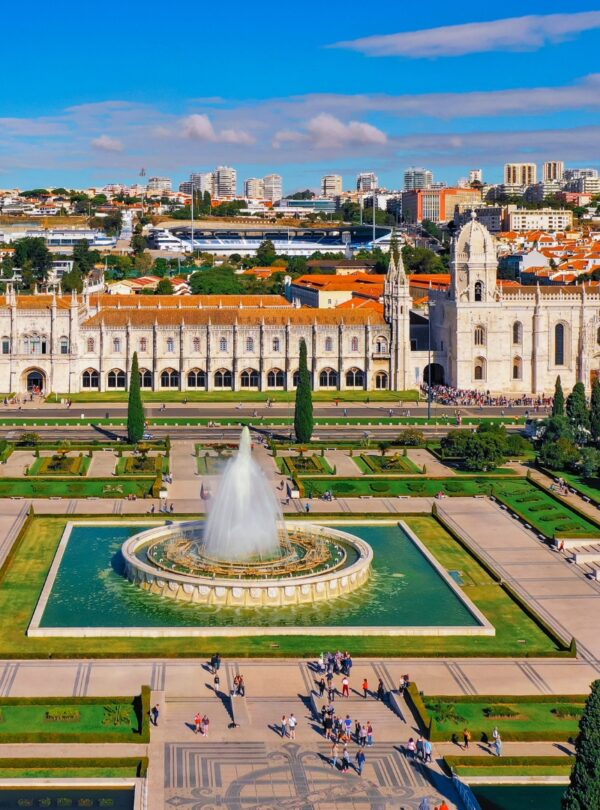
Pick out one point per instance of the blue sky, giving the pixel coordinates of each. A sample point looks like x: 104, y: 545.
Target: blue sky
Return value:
x: 90, y: 94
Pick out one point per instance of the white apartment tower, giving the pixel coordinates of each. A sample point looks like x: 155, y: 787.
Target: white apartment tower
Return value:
x: 367, y: 181
x: 157, y: 185
x: 554, y: 171
x: 416, y: 178
x: 273, y: 187
x: 475, y: 176
x: 331, y: 185
x: 520, y: 174
x: 225, y: 186
x: 254, y: 188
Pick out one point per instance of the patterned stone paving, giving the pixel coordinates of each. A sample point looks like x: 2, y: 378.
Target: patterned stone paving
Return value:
x: 252, y: 776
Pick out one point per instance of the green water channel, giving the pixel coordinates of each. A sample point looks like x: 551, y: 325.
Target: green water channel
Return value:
x: 114, y: 798
x: 403, y: 590
x: 519, y: 797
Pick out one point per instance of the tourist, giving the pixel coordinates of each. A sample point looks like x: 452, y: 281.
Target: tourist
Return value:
x: 331, y: 694
x: 360, y: 761
x: 204, y: 726
x: 328, y: 725
x: 154, y: 714
x: 321, y: 686
x: 498, y: 746
x: 292, y: 723
x: 495, y: 733
x: 365, y: 688
x: 380, y: 690
x: 334, y: 754
x: 216, y: 682
x: 348, y: 725
x: 152, y: 509
x: 466, y: 738
x: 369, y: 734
x: 197, y: 722
x: 345, y: 760
x: 427, y: 751
x: 284, y: 726
x: 411, y: 749
x: 241, y: 686
x: 307, y: 508
x: 420, y: 747
x: 215, y: 662
x: 362, y: 736
x: 345, y: 686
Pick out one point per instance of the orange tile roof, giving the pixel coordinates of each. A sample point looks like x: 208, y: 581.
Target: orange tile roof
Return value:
x: 104, y: 300
x: 362, y: 303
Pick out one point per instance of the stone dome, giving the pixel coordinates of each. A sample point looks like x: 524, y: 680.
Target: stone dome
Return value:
x: 475, y: 242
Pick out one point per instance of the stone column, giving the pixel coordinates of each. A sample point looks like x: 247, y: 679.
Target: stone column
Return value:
x: 209, y: 374
x: 287, y: 361
x: 182, y: 387
x: 155, y: 381
x: 340, y: 362
x: 234, y: 358
x: 368, y: 344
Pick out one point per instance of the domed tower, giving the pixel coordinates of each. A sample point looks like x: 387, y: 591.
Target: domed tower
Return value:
x: 474, y: 264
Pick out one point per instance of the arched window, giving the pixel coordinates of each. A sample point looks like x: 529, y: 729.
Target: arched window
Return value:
x: 90, y: 378
x: 328, y: 378
x: 381, y: 345
x: 381, y: 381
x: 223, y: 378
x: 143, y: 344
x: 249, y: 344
x: 276, y: 344
x: 517, y: 336
x: 196, y: 344
x: 559, y: 344
x: 170, y: 345
x: 196, y: 378
x: 223, y: 344
x: 355, y: 378
x: 598, y: 336
x: 517, y: 368
x: 90, y: 344
x: 145, y: 378
x: 479, y: 336
x: 479, y: 369
x: 249, y: 378
x: 296, y: 378
x: 328, y: 344
x: 354, y: 344
x: 116, y: 344
x: 5, y: 345
x: 116, y: 378
x: 169, y: 378
x: 479, y: 290
x: 275, y: 378
x: 35, y: 344
x: 64, y: 345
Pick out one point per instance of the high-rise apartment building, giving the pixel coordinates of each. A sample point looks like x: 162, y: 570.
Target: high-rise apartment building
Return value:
x: 225, y: 185
x: 520, y: 174
x: 415, y: 178
x: 476, y: 176
x: 554, y: 171
x: 331, y: 185
x: 254, y: 188
x: 273, y: 187
x: 579, y: 174
x: 199, y: 182
x: 367, y: 181
x: 157, y: 185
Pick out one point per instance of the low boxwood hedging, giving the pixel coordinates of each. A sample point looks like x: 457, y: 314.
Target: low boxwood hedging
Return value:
x: 454, y: 762
x: 63, y: 767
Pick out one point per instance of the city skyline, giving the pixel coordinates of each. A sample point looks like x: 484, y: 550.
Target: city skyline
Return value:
x: 369, y: 99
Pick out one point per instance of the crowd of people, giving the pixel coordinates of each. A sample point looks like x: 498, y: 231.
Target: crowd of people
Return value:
x: 456, y: 397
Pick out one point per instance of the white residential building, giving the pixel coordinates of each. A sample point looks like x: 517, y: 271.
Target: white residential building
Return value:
x: 541, y: 219
x: 520, y: 174
x: 225, y: 185
x: 254, y: 188
x: 416, y: 178
x: 331, y: 185
x: 273, y: 187
x: 157, y: 185
x: 367, y: 181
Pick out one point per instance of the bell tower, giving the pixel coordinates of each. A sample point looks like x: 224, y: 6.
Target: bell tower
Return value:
x: 474, y: 264
x: 396, y: 306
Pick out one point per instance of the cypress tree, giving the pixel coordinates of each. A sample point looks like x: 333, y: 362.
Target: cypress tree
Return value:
x: 303, y: 412
x: 583, y: 792
x: 577, y: 409
x: 135, y: 408
x: 595, y: 410
x: 558, y: 406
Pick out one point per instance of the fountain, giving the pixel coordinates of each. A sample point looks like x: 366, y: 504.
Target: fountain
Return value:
x: 244, y: 554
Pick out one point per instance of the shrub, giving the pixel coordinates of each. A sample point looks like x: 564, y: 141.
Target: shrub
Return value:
x: 567, y: 712
x: 500, y: 711
x: 379, y: 486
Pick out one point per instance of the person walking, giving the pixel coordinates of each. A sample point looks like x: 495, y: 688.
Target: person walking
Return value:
x: 380, y: 690
x: 369, y: 734
x: 155, y: 714
x: 360, y: 761
x: 292, y: 723
x: 345, y: 686
x: 498, y: 746
x: 345, y: 760
x: 427, y: 750
x: 411, y: 749
x: 197, y: 723
x: 321, y: 685
x: 365, y: 688
x: 466, y: 738
x: 348, y: 725
x: 204, y: 725
x: 362, y: 736
x: 334, y: 754
x: 420, y: 747
x: 284, y: 726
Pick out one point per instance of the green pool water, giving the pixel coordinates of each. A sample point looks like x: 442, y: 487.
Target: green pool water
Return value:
x: 114, y: 798
x: 519, y: 797
x: 403, y: 590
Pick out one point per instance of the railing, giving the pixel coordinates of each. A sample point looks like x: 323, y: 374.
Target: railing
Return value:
x: 380, y: 356
x: 467, y: 796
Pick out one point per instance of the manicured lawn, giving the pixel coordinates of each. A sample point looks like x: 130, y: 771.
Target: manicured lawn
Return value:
x: 301, y: 465
x: 22, y: 579
x: 240, y: 396
x: 380, y: 486
x: 69, y: 465
x: 393, y: 463
x: 22, y: 768
x: 72, y: 720
x: 211, y: 465
x: 587, y: 486
x: 510, y: 766
x: 150, y: 466
x: 75, y: 487
x: 527, y: 719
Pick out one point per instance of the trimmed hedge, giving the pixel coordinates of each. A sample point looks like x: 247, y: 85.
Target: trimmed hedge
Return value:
x: 139, y: 763
x: 508, y: 762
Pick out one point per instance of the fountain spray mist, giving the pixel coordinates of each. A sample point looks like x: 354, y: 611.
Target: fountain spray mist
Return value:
x: 245, y: 519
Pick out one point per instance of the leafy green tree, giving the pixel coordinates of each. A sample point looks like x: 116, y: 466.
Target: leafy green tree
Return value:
x: 453, y: 444
x: 589, y: 462
x: 483, y: 452
x: 164, y: 287
x: 135, y: 407
x: 559, y: 454
x: 266, y: 253
x: 73, y: 280
x: 577, y: 409
x: 555, y: 428
x: 558, y: 404
x: 303, y: 412
x: 595, y: 410
x: 422, y: 260
x: 583, y: 792
x: 84, y: 258
x: 142, y: 263
x: 307, y: 194
x: 32, y: 254
x: 219, y: 281
x: 138, y: 243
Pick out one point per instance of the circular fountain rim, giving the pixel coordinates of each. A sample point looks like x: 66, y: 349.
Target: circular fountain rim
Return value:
x: 131, y: 546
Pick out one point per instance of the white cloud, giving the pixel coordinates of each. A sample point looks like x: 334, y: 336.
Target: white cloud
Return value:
x: 511, y: 34
x: 198, y: 127
x: 325, y: 131
x: 105, y: 143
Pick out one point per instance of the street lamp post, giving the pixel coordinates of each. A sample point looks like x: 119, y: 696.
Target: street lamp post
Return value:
x: 429, y: 389
x: 192, y: 216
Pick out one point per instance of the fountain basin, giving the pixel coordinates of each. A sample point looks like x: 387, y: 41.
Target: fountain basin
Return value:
x: 346, y: 571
